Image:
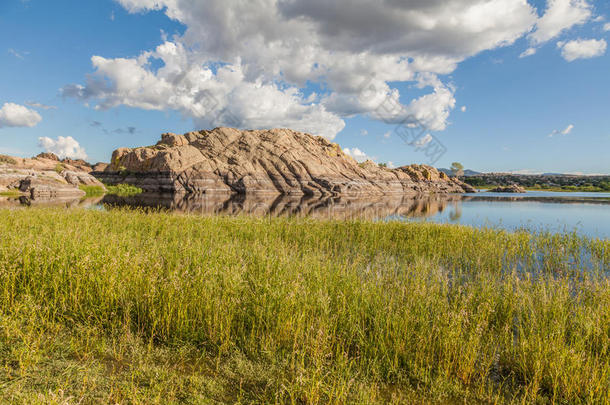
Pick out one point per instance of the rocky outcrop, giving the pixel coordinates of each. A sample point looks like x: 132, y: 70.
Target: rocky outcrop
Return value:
x: 46, y: 177
x: 42, y: 187
x: 277, y: 161
x: 513, y: 188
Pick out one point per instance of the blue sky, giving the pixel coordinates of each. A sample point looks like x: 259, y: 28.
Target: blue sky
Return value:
x: 491, y: 109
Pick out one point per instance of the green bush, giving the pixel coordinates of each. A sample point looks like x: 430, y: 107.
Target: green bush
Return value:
x: 59, y: 168
x: 124, y: 190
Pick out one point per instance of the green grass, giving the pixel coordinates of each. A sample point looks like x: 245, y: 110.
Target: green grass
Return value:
x: 92, y: 191
x: 123, y: 190
x: 142, y: 307
x: 10, y: 193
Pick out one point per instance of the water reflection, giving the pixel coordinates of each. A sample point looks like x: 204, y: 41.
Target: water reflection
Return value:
x: 71, y: 202
x: 279, y: 206
x: 586, y: 213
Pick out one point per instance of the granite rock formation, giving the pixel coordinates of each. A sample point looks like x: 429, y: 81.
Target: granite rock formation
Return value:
x: 277, y: 161
x: 45, y: 176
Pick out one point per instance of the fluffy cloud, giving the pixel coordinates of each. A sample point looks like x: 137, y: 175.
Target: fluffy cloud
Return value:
x: 357, y: 154
x: 559, y: 16
x: 582, y: 49
x: 64, y: 147
x: 247, y: 64
x: 15, y: 115
x: 220, y: 98
x: 607, y: 27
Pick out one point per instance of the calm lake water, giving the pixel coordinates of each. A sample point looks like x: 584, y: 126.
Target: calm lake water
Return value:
x: 585, y: 213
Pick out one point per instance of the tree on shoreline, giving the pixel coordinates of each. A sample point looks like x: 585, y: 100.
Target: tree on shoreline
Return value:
x: 457, y: 169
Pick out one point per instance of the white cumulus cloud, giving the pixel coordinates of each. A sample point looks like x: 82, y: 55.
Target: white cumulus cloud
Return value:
x: 560, y: 15
x: 582, y: 49
x: 247, y: 63
x: 63, y: 147
x: 15, y: 115
x: 357, y: 154
x: 607, y: 27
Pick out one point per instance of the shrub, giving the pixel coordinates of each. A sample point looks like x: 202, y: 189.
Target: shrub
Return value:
x: 7, y: 159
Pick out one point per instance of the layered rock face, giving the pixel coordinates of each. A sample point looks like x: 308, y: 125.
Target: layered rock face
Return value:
x: 277, y: 161
x: 45, y: 176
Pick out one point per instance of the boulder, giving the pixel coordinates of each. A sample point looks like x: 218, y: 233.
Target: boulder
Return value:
x: 46, y: 177
x: 48, y: 156
x: 100, y: 167
x: 276, y: 161
x: 38, y: 187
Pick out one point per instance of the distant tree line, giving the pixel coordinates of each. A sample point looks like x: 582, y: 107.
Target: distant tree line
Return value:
x: 542, y: 182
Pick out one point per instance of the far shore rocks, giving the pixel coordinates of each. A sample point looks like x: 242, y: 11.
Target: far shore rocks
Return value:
x: 45, y: 176
x: 276, y: 161
x: 513, y: 188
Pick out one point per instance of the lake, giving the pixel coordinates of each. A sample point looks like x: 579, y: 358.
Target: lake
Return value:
x: 587, y: 214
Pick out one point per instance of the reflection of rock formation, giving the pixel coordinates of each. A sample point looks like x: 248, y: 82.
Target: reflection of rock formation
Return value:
x: 24, y: 201
x: 279, y: 206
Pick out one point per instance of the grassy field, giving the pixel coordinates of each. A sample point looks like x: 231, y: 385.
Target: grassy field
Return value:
x: 134, y: 307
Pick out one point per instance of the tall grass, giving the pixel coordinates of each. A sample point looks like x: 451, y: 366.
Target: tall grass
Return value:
x: 148, y: 307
